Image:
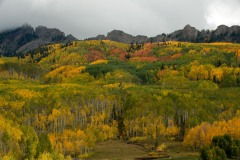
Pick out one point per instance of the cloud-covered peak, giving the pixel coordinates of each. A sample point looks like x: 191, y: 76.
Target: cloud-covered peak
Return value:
x: 86, y: 18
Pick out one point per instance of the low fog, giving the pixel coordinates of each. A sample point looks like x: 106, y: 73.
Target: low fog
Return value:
x: 87, y: 18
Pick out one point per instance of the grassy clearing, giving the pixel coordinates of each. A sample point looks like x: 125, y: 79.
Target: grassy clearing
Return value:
x: 118, y: 150
x: 177, y: 151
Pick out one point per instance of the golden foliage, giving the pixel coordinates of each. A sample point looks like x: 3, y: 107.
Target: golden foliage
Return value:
x: 202, y: 134
x: 26, y: 93
x: 115, y: 85
x: 99, y: 61
x: 198, y: 73
x: 64, y: 72
x: 1, y: 61
x: 217, y: 73
x: 161, y: 147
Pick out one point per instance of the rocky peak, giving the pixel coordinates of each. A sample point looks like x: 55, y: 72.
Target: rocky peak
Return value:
x: 234, y: 29
x: 120, y: 36
x: 141, y: 39
x: 48, y: 33
x: 222, y: 29
x: 26, y: 28
x: 71, y: 38
x: 189, y: 33
x: 26, y: 38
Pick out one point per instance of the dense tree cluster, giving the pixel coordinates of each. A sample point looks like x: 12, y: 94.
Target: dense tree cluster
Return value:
x: 221, y: 148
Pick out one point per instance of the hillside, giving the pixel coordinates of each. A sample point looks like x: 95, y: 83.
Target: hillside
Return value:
x: 15, y: 42
x: 62, y: 100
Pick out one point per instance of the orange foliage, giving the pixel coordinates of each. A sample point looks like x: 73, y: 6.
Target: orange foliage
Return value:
x: 165, y: 58
x: 118, y: 53
x: 202, y: 134
x: 160, y: 74
x: 175, y: 56
x: 145, y: 59
x: 142, y: 53
x: 145, y: 52
x: 94, y: 55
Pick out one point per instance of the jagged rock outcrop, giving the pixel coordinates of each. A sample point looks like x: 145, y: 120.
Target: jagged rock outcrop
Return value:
x: 227, y: 34
x: 27, y: 38
x: 120, y: 36
x: 123, y: 37
x: 140, y: 39
x: 99, y: 37
x: 187, y: 34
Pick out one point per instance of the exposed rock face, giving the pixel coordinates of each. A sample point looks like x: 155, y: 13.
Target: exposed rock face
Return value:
x: 123, y: 37
x: 222, y: 29
x: 228, y: 34
x: 120, y: 36
x: 190, y: 34
x: 140, y: 39
x: 26, y: 38
x: 99, y: 37
x: 48, y: 34
x: 10, y: 41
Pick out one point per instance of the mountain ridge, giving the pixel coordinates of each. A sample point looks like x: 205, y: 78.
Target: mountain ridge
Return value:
x: 27, y: 38
x: 222, y: 33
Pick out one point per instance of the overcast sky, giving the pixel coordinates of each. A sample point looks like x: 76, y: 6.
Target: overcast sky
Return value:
x: 87, y: 18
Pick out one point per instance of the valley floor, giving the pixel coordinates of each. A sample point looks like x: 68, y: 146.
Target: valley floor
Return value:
x: 118, y: 150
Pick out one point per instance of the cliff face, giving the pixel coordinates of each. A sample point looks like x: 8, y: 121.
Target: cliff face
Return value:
x: 123, y: 37
x: 190, y: 34
x: 27, y: 38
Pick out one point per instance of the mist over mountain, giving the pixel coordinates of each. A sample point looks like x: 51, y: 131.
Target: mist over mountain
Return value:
x: 26, y: 38
x: 222, y: 33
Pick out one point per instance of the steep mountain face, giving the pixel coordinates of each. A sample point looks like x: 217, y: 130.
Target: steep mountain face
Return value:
x: 188, y: 33
x: 27, y: 38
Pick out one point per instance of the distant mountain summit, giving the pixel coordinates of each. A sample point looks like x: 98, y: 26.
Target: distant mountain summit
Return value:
x: 120, y: 36
x: 27, y: 38
x: 188, y: 33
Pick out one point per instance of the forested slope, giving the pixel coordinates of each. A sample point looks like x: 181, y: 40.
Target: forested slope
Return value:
x: 61, y: 100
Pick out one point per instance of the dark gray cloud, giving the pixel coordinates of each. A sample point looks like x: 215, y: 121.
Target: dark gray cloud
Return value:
x: 86, y: 18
